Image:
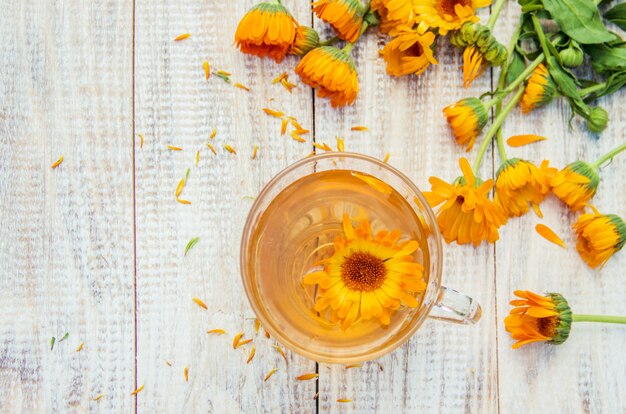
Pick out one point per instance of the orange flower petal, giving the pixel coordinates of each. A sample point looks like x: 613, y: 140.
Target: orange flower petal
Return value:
x: 547, y: 233
x: 521, y: 140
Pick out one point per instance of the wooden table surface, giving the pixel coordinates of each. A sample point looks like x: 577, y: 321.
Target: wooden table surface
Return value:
x: 95, y: 247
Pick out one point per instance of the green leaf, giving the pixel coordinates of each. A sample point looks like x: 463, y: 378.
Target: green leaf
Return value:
x: 191, y: 243
x: 52, y: 341
x: 67, y: 334
x: 579, y: 19
x: 617, y: 15
x: 612, y: 84
x: 516, y: 67
x: 567, y: 87
x: 607, y: 58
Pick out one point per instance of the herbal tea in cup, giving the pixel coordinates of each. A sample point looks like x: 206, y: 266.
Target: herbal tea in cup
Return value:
x: 341, y: 259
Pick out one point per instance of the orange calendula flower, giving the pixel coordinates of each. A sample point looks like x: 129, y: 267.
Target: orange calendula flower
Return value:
x: 466, y: 214
x: 266, y: 30
x: 599, y: 237
x: 409, y: 52
x: 368, y: 277
x: 394, y: 13
x: 540, y: 90
x: 331, y: 71
x: 575, y: 184
x: 537, y: 318
x: 306, y: 40
x: 520, y: 184
x: 447, y: 15
x: 345, y: 17
x: 467, y: 118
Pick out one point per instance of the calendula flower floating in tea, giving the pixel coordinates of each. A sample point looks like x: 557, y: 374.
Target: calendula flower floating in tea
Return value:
x: 332, y: 73
x: 599, y: 237
x: 344, y: 16
x: 465, y: 213
x: 409, y: 52
x: 447, y: 15
x: 536, y: 318
x: 521, y: 184
x: 540, y: 90
x: 266, y: 30
x: 368, y: 277
x: 466, y: 118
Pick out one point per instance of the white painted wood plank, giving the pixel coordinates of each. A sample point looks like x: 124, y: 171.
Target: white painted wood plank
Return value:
x: 586, y: 373
x: 66, y: 251
x: 175, y: 105
x: 443, y: 368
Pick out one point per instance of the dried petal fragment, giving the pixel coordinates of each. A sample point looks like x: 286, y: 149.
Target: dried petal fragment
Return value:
x: 306, y: 377
x: 283, y: 126
x: 341, y: 146
x: 244, y: 342
x: 520, y: 140
x: 141, y: 140
x: 181, y: 201
x: 280, y: 77
x: 230, y: 149
x: 281, y: 352
x: 344, y: 400
x: 254, y: 151
x: 241, y: 86
x: 223, y: 73
x: 288, y: 85
x: 80, y: 347
x: 179, y: 187
x: 387, y: 155
x: 197, y: 157
x: 168, y: 363
x: 213, y: 134
x: 257, y: 325
x: 322, y: 146
x: 216, y: 332
x: 353, y: 366
x: 173, y: 148
x: 359, y: 128
x: 548, y: 234
x: 211, y: 148
x: 200, y: 303
x: 182, y: 37
x: 186, y: 373
x: 137, y: 391
x: 270, y: 374
x: 207, y: 69
x: 251, y: 355
x: 57, y: 162
x: 236, y: 340
x: 274, y: 113
x: 295, y: 136
x: 98, y: 397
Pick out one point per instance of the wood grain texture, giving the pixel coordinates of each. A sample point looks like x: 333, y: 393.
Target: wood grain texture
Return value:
x: 586, y: 373
x: 66, y: 262
x: 176, y: 105
x: 443, y: 368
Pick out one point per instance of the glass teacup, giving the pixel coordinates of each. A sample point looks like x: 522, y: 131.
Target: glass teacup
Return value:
x: 296, y: 223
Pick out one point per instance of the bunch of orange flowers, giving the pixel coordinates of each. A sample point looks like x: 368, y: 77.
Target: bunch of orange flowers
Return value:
x: 269, y: 30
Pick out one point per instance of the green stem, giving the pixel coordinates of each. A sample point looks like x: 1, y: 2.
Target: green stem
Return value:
x: 495, y: 126
x: 608, y: 156
x: 599, y: 318
x: 591, y: 89
x: 540, y: 35
x: 330, y: 41
x: 495, y: 12
x: 500, y: 142
x: 348, y: 48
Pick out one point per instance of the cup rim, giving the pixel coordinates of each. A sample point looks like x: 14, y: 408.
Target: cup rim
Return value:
x: 433, y: 292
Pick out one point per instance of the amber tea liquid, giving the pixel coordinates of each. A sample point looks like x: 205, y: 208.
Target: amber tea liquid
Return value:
x: 297, y: 230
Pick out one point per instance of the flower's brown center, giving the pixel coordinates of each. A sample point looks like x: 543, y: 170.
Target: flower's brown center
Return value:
x: 547, y: 326
x: 416, y: 50
x: 447, y: 6
x: 363, y: 271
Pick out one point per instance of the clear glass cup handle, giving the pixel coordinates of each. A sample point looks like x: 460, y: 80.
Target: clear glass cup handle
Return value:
x: 453, y: 306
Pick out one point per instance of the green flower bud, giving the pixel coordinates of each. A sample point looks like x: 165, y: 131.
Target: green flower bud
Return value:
x: 598, y: 119
x: 572, y: 57
x: 563, y: 322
